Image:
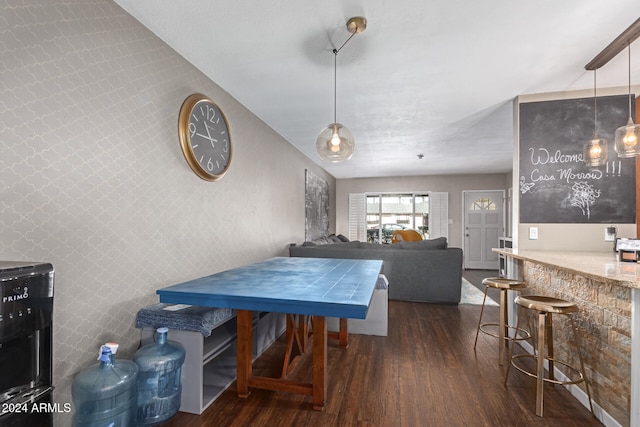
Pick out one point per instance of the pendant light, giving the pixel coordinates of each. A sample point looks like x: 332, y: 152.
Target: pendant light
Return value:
x: 596, y: 151
x: 628, y: 136
x: 335, y: 143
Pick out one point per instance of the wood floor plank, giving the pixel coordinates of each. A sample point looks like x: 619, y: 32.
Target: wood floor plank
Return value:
x: 425, y: 373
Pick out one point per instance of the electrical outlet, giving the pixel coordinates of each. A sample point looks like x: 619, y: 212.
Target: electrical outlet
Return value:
x: 533, y: 233
x: 610, y: 234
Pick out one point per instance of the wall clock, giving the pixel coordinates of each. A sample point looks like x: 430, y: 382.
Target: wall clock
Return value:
x: 204, y: 137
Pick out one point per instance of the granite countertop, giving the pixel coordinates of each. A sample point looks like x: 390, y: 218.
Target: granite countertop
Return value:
x: 596, y: 265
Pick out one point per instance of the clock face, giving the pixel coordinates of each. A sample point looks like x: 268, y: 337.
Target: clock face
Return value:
x: 204, y: 137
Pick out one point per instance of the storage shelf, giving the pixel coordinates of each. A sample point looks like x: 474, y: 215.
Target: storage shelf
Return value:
x: 218, y: 375
x: 210, y: 362
x: 220, y: 338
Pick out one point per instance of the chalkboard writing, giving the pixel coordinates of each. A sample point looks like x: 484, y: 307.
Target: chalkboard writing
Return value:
x: 555, y: 184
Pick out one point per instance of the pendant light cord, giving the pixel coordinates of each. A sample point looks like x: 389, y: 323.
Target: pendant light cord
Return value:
x: 335, y: 77
x: 629, y: 63
x: 595, y: 106
x: 335, y: 84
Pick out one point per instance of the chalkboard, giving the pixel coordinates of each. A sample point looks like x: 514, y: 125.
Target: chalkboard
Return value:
x: 555, y: 184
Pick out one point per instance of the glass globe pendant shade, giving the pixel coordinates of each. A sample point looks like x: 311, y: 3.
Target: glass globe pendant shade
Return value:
x: 596, y: 152
x: 628, y: 140
x: 335, y: 143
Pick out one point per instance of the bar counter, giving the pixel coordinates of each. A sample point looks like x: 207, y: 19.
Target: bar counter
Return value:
x: 607, y: 293
x: 595, y: 265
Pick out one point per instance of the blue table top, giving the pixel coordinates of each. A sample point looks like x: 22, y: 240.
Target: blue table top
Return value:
x: 312, y: 286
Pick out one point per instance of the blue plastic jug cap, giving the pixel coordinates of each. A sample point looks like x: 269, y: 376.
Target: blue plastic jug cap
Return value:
x: 105, y: 354
x: 163, y: 330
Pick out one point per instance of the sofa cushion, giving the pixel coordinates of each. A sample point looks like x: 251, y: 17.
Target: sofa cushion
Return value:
x: 319, y: 241
x: 376, y: 246
x: 326, y: 240
x: 439, y: 243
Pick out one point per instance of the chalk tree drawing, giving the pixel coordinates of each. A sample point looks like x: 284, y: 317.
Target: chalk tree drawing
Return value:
x: 583, y: 197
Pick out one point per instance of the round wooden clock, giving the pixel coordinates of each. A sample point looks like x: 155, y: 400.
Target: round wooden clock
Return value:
x: 204, y: 137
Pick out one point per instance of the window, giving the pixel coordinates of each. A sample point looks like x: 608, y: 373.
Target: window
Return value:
x: 483, y: 204
x: 376, y: 215
x: 389, y: 212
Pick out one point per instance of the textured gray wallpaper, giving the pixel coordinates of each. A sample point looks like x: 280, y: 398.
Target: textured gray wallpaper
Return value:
x: 92, y: 178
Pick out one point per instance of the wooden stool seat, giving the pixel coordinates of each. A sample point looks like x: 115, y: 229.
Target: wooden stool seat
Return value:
x: 546, y: 306
x: 503, y: 285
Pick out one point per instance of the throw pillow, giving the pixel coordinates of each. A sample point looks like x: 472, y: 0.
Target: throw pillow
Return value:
x: 334, y: 238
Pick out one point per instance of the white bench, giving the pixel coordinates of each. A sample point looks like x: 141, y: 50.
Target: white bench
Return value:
x: 376, y: 322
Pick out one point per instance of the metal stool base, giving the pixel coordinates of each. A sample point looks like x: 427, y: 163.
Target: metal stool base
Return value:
x: 545, y: 307
x: 504, y: 329
x: 548, y: 379
x: 520, y: 334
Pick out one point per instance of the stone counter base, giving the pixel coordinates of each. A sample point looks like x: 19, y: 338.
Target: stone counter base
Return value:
x: 604, y: 322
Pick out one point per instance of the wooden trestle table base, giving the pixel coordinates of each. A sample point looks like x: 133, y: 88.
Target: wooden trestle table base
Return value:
x: 308, y: 290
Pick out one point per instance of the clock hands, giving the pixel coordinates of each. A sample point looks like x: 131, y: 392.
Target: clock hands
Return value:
x: 209, y: 133
x: 208, y: 136
x: 212, y: 140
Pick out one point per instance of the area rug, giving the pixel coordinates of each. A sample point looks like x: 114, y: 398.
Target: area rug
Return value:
x: 472, y: 295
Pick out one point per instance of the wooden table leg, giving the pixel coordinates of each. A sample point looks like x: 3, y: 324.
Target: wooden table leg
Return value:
x: 343, y: 335
x: 319, y: 362
x: 244, y: 351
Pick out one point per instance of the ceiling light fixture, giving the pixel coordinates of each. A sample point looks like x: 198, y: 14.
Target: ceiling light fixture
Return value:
x: 336, y: 143
x: 596, y: 151
x: 627, y: 143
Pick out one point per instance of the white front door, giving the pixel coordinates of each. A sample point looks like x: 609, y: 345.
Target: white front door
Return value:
x: 483, y: 225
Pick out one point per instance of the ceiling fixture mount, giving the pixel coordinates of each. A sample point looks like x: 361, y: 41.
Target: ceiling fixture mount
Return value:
x: 615, y: 47
x: 336, y: 143
x: 627, y: 143
x: 596, y: 151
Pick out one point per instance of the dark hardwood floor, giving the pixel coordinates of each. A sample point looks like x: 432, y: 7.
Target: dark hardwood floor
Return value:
x: 425, y: 373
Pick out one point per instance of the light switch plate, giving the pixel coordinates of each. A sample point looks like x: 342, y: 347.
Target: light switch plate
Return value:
x: 533, y: 233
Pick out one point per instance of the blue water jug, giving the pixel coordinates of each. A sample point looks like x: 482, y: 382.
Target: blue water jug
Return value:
x: 105, y: 395
x: 159, y: 387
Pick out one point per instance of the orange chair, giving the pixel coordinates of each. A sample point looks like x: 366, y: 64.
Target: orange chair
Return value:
x: 405, y: 236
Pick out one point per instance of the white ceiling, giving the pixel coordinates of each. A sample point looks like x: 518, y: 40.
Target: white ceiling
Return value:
x: 432, y: 77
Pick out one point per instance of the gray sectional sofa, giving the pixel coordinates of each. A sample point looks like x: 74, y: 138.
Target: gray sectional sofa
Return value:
x: 426, y: 271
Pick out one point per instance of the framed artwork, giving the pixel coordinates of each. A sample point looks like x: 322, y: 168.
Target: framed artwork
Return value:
x: 316, y: 202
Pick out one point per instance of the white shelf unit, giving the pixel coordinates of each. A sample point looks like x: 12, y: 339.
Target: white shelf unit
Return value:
x: 210, y: 362
x: 504, y: 242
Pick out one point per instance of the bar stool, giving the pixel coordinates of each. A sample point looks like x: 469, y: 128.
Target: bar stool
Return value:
x: 503, y: 336
x: 546, y: 306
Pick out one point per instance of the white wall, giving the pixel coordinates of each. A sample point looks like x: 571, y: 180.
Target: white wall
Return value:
x: 93, y: 180
x: 453, y: 184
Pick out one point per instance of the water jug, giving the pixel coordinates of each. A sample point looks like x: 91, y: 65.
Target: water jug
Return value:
x: 105, y: 395
x: 159, y: 387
